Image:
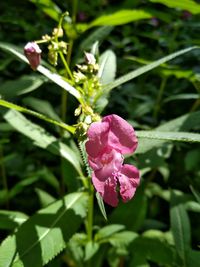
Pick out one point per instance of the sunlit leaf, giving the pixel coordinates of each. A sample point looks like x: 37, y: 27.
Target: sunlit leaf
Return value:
x: 90, y: 249
x: 170, y: 136
x: 120, y: 17
x: 133, y: 74
x: 188, y: 5
x: 107, y: 67
x: 36, y: 114
x: 47, y: 231
x: 42, y: 138
x: 11, y: 219
x: 49, y: 8
x: 44, y: 197
x: 183, y: 123
x: 107, y: 231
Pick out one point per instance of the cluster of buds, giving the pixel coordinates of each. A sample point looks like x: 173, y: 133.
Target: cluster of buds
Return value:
x: 54, y: 48
x: 33, y: 52
x: 86, y: 76
x: 86, y: 116
x: 89, y: 69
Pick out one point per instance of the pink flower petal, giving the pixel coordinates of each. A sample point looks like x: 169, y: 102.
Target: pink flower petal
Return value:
x: 97, y: 134
x: 129, y: 180
x: 110, y: 194
x: 107, y: 189
x: 121, y: 134
x: 108, y: 162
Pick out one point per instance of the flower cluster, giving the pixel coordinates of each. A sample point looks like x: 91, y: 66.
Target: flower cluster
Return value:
x: 108, y: 141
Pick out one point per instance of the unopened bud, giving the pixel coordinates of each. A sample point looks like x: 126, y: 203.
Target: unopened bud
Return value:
x: 89, y: 58
x: 33, y: 54
x: 58, y: 32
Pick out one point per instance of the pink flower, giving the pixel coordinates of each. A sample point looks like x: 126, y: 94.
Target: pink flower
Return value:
x: 33, y: 54
x: 108, y: 141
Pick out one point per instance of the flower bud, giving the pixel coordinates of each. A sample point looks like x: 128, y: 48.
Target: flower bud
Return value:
x: 89, y: 58
x: 58, y: 32
x: 33, y: 54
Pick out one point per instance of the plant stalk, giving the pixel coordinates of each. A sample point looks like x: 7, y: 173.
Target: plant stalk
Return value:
x: 90, y: 214
x: 159, y: 98
x: 66, y: 63
x: 4, y: 177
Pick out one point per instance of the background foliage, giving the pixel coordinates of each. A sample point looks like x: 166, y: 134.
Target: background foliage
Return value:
x: 43, y: 206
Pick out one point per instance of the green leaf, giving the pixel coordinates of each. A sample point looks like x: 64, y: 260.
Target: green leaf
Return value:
x: 107, y: 67
x: 90, y: 249
x: 193, y: 258
x: 98, y: 35
x: 195, y: 193
x: 11, y: 219
x: 48, y: 177
x: 192, y: 160
x: 75, y: 248
x: 42, y: 138
x: 36, y: 114
x: 50, y: 75
x: 101, y: 205
x: 42, y: 106
x: 170, y: 136
x: 181, y: 97
x: 188, y: 5
x: 5, y: 127
x: 138, y: 261
x: 44, y: 197
x: 49, y: 8
x: 133, y: 74
x: 20, y: 186
x: 183, y: 123
x: 120, y: 17
x: 17, y: 188
x: 23, y: 85
x: 179, y: 73
x: 47, y: 232
x: 122, y: 239
x: 180, y: 226
x: 107, y: 231
x: 152, y: 246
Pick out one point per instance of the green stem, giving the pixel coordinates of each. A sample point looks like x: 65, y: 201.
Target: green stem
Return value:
x: 74, y: 10
x: 4, y: 177
x: 66, y: 63
x: 64, y: 105
x: 159, y: 98
x: 90, y: 214
x: 195, y: 105
x: 41, y: 41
